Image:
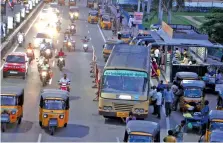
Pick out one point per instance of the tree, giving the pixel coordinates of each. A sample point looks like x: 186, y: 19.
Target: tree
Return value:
x: 214, y: 25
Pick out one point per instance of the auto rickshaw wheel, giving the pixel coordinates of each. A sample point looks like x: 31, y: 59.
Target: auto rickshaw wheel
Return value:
x: 40, y: 124
x: 3, y: 127
x: 52, y: 130
x: 65, y: 125
x: 20, y: 120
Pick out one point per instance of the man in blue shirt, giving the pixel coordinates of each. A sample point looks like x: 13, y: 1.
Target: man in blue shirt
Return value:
x: 168, y: 98
x: 205, y: 115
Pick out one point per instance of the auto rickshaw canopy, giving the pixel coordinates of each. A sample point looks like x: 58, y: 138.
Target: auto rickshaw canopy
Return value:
x: 186, y: 75
x: 54, y: 93
x: 12, y: 90
x: 216, y: 136
x: 93, y: 13
x: 147, y: 127
x: 193, y: 83
x: 216, y: 115
x: 106, y: 18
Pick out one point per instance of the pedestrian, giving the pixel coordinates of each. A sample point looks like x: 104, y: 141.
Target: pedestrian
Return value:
x: 131, y: 117
x: 157, y: 55
x: 158, y: 102
x: 130, y: 22
x: 168, y: 98
x: 177, y: 97
x: 161, y: 85
x: 179, y: 131
x: 205, y: 117
x: 174, y: 87
x: 154, y: 69
x: 152, y: 94
x: 170, y: 137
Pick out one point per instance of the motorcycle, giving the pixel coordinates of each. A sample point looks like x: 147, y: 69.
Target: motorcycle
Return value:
x: 85, y: 47
x: 58, y: 28
x: 44, y: 77
x: 65, y: 87
x: 61, y: 63
x: 30, y: 54
x: 20, y: 40
x: 47, y: 53
x: 73, y: 30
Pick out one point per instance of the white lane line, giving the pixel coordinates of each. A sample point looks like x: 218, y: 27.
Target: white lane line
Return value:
x: 55, y: 51
x: 57, y: 41
x: 101, y: 33
x: 88, y: 31
x: 25, y: 35
x: 39, y: 138
x: 117, y: 139
x: 50, y: 81
x: 53, y: 63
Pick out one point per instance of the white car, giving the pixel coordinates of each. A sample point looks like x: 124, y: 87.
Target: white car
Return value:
x: 44, y: 13
x: 38, y: 39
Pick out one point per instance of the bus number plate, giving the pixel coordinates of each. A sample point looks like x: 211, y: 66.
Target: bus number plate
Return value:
x: 122, y: 114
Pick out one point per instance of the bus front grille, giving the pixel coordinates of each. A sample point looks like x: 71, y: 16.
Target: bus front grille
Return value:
x: 122, y: 107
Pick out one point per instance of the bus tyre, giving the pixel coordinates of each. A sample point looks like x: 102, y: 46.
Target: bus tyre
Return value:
x: 65, y: 125
x: 20, y: 120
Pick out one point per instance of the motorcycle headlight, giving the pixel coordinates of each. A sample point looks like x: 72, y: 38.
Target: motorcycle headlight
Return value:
x: 64, y: 84
x: 69, y: 43
x: 44, y: 73
x: 76, y: 14
x: 45, y: 115
x: 61, y: 59
x: 85, y: 45
x: 61, y: 116
x: 48, y: 51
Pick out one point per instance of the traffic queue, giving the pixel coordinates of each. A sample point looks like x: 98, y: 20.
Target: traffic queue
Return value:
x: 124, y: 90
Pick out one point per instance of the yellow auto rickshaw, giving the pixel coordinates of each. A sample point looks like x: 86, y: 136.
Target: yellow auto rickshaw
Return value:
x: 90, y: 3
x: 105, y: 22
x: 193, y: 95
x: 93, y: 17
x: 215, y: 123
x: 12, y: 99
x: 125, y: 36
x: 108, y: 46
x: 74, y: 12
x: 72, y: 2
x: 185, y: 76
x: 142, y: 131
x: 54, y: 109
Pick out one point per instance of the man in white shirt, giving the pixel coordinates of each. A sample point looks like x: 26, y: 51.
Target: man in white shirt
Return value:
x: 157, y: 54
x: 158, y: 102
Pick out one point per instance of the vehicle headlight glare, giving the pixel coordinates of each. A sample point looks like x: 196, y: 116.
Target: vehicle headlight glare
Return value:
x: 76, y: 14
x: 45, y: 116
x: 61, y: 116
x: 61, y: 59
x: 85, y: 45
x: 44, y: 73
x: 69, y: 43
x: 48, y: 51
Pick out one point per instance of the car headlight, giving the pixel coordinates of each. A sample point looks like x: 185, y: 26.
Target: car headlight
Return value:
x: 61, y: 116
x: 107, y: 108
x: 45, y: 115
x: 85, y: 45
x: 13, y: 112
x: 48, y: 51
x: 76, y: 14
x: 44, y: 73
x: 69, y: 43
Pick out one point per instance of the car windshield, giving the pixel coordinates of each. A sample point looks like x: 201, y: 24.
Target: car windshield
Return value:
x: 216, y: 126
x: 193, y: 93
x: 8, y: 100
x: 138, y: 138
x: 109, y: 46
x: 42, y: 35
x: 15, y: 59
x: 124, y: 81
x: 54, y: 104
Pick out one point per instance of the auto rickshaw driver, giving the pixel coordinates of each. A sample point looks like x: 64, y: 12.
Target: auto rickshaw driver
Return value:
x: 54, y: 109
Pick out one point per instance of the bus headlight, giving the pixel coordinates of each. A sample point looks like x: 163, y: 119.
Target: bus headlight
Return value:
x: 45, y: 115
x: 61, y: 116
x: 140, y: 110
x: 107, y: 108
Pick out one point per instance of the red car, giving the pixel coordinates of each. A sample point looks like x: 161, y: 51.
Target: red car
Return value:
x: 16, y: 64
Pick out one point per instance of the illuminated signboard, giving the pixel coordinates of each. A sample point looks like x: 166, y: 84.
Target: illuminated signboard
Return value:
x: 125, y: 73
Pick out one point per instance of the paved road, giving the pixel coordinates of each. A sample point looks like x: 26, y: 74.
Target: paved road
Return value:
x: 85, y: 125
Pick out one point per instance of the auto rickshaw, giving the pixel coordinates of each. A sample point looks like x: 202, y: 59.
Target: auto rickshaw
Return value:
x: 220, y: 100
x: 215, y: 123
x: 101, y: 12
x: 54, y: 109
x: 72, y: 2
x: 125, y: 36
x: 12, y: 99
x: 142, y: 131
x: 185, y: 76
x: 93, y: 17
x: 193, y: 96
x: 108, y: 46
x: 105, y: 22
x: 90, y: 3
x: 74, y: 12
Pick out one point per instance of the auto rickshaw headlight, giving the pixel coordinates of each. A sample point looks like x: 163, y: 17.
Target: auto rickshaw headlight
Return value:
x: 45, y: 115
x: 13, y: 112
x: 61, y: 116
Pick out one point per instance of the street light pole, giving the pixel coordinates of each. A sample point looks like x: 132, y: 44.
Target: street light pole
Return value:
x: 139, y: 2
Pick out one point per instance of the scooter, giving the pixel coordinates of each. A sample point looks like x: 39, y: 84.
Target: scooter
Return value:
x: 30, y: 55
x: 65, y: 87
x: 61, y: 63
x: 85, y: 47
x: 44, y: 77
x: 20, y: 40
x: 73, y: 30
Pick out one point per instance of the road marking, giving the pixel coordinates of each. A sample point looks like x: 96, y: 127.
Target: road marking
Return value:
x: 117, y: 139
x: 101, y: 34
x: 25, y: 34
x: 88, y: 31
x: 53, y: 63
x: 57, y: 41
x: 90, y: 38
x: 39, y: 138
x: 50, y: 81
x: 55, y: 51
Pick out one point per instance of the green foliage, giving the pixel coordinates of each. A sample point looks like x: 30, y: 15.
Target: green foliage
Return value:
x: 214, y: 25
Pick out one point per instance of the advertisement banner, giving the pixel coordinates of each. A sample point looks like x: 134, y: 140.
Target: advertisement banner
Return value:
x: 138, y: 17
x: 10, y: 22
x: 23, y: 12
x: 17, y: 17
x: 27, y: 8
x: 30, y: 5
x: 34, y: 3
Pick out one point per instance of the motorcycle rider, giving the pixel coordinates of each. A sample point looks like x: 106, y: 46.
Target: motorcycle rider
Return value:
x: 20, y: 35
x: 58, y: 22
x: 61, y: 54
x: 30, y: 47
x: 65, y: 80
x: 46, y: 67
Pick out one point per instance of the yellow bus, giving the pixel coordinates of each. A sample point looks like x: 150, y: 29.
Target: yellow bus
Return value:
x: 125, y: 83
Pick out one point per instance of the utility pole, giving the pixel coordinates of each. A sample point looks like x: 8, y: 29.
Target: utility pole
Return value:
x: 160, y: 11
x: 139, y: 2
x: 103, y: 4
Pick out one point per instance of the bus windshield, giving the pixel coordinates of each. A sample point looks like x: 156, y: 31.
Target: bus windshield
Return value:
x: 192, y: 93
x: 54, y: 104
x: 8, y: 100
x: 138, y: 138
x: 124, y: 81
